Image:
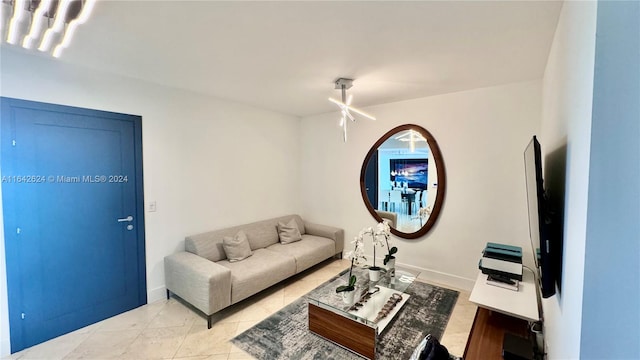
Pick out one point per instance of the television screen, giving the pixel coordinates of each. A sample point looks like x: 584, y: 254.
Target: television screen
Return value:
x: 539, y: 223
x: 411, y: 171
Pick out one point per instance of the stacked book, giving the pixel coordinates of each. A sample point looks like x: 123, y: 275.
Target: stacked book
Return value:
x: 502, y: 264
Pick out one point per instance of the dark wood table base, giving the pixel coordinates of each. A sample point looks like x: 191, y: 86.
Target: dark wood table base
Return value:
x: 487, y: 334
x: 343, y: 331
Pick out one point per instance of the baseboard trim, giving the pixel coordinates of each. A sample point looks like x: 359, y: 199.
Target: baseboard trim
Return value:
x: 5, y: 347
x: 159, y: 293
x: 449, y: 280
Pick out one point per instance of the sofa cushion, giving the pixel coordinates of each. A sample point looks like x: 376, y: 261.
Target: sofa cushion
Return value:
x: 263, y: 269
x: 299, y: 221
x: 288, y: 232
x: 260, y: 235
x: 265, y: 233
x: 236, y: 247
x: 308, y: 251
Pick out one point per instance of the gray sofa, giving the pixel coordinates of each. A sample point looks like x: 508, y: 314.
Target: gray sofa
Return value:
x: 204, y: 277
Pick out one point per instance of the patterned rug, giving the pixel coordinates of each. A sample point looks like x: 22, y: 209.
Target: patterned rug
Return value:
x: 285, y: 335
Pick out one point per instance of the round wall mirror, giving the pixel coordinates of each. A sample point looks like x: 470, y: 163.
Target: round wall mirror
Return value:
x: 402, y: 180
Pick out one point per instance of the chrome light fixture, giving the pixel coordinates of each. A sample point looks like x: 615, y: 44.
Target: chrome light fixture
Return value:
x: 50, y: 24
x: 345, y: 105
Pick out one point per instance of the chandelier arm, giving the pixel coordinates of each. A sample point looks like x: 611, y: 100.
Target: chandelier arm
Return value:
x: 361, y: 113
x: 344, y: 131
x: 346, y: 112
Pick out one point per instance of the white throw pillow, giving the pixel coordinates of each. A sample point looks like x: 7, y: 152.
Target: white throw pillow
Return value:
x: 237, y: 247
x: 289, y: 232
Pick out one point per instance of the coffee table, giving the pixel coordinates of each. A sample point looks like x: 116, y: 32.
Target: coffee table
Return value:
x: 357, y: 327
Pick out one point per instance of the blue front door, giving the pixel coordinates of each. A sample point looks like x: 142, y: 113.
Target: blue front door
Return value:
x: 73, y: 217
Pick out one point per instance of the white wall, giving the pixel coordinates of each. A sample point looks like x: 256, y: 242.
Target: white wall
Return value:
x: 567, y: 101
x: 482, y: 134
x: 208, y: 163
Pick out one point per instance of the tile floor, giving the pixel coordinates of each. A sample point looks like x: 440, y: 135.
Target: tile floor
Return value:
x: 169, y: 329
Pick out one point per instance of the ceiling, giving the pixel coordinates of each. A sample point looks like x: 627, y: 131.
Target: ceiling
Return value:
x: 285, y: 56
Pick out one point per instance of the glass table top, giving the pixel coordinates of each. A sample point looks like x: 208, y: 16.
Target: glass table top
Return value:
x: 371, y: 296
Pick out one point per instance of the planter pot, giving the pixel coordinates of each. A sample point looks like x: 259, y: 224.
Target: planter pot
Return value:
x: 348, y: 297
x: 374, y: 273
x: 391, y: 264
x: 391, y: 267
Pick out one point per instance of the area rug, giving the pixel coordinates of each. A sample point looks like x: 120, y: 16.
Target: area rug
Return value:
x: 285, y: 335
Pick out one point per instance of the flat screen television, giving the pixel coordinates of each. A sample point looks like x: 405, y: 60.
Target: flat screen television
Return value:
x: 539, y: 219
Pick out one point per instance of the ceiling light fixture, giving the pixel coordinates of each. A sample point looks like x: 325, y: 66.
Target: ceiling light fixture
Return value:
x: 411, y: 136
x: 58, y: 26
x: 345, y: 105
x: 36, y: 24
x: 19, y: 15
x: 71, y: 29
x: 47, y: 22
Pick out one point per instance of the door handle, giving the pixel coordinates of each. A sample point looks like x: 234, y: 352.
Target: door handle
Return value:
x: 127, y: 219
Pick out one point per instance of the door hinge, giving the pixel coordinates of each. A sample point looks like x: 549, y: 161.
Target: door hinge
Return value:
x: 13, y: 143
x: 22, y: 316
x: 18, y: 230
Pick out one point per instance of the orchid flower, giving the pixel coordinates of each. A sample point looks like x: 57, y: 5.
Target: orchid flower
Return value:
x: 383, y: 229
x: 357, y: 257
x: 357, y: 254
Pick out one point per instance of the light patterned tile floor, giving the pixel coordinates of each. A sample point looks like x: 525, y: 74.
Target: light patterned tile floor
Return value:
x: 170, y: 329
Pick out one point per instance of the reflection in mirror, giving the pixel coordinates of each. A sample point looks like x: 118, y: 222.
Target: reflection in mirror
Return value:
x: 402, y: 180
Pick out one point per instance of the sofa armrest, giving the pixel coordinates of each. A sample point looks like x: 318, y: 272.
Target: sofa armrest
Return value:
x: 202, y: 283
x: 334, y: 233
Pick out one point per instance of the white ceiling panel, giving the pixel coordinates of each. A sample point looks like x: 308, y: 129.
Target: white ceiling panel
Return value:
x: 285, y: 56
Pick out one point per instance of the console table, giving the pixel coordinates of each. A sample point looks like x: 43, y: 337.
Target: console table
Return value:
x: 499, y: 311
x: 521, y: 304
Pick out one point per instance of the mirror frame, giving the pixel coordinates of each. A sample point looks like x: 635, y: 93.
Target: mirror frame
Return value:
x: 442, y: 180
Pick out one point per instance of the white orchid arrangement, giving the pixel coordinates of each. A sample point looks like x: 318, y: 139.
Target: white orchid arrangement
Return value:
x: 357, y: 257
x: 375, y: 239
x: 383, y: 231
x: 379, y: 237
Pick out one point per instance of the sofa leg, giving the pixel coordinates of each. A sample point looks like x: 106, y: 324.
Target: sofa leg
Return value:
x: 209, y: 321
x: 338, y: 255
x: 168, y: 294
